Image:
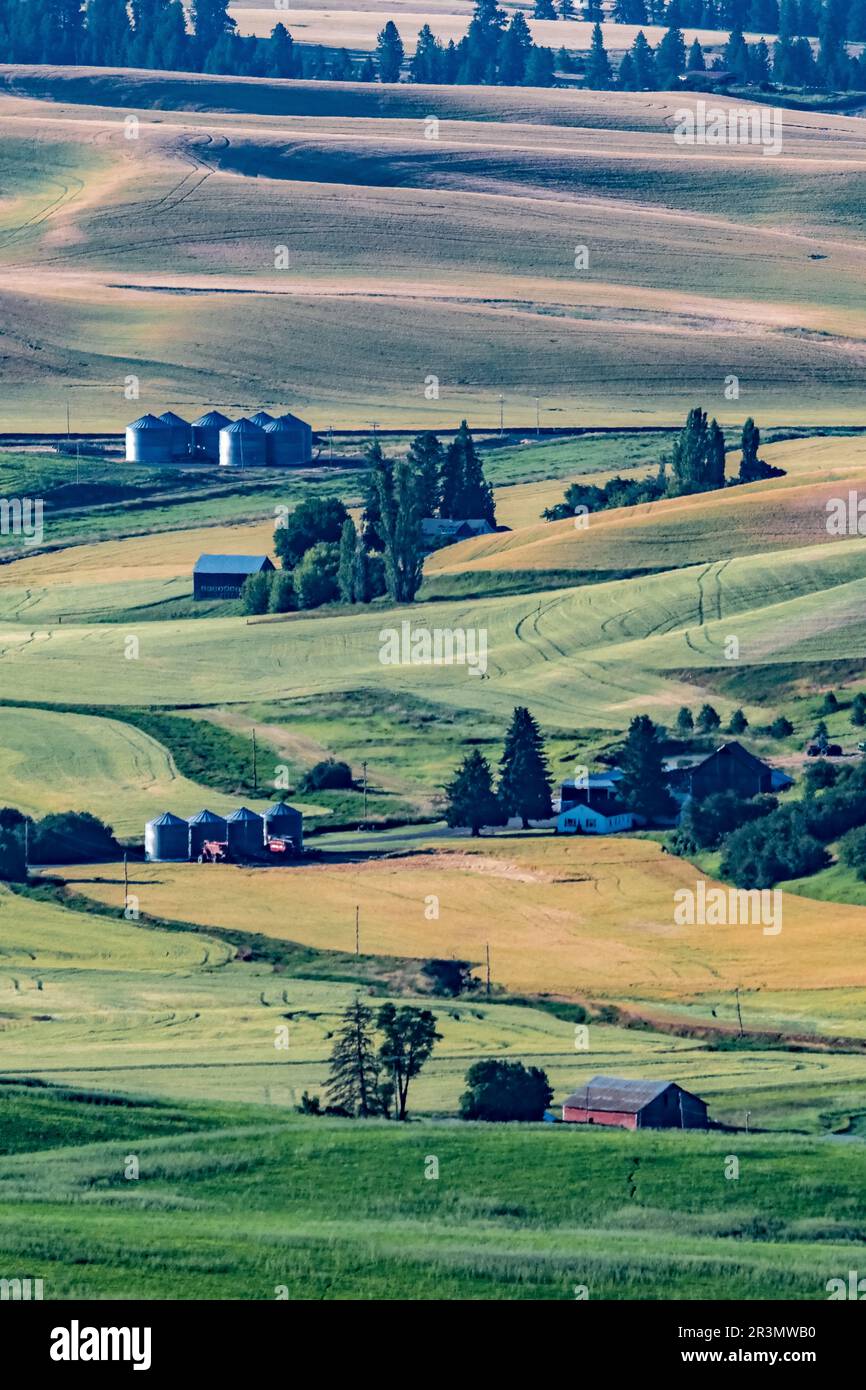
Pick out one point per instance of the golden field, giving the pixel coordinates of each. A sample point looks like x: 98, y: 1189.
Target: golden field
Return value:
x: 156, y: 256
x: 573, y: 918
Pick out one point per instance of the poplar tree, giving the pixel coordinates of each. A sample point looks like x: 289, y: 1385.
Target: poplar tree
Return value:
x: 426, y: 457
x: 524, y: 781
x: 347, y: 572
x: 400, y: 528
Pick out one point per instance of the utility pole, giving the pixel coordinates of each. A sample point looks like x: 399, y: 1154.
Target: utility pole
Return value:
x: 748, y: 1117
x: 357, y: 930
x: 537, y: 418
x: 374, y: 424
x: 67, y: 417
x: 27, y: 849
x: 488, y: 967
x: 255, y: 766
x: 330, y: 444
x: 739, y: 1012
x: 364, y: 766
x: 125, y: 880
x: 501, y: 415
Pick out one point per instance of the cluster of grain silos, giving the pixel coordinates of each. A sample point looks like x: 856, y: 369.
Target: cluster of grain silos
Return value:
x: 243, y: 835
x: 258, y: 442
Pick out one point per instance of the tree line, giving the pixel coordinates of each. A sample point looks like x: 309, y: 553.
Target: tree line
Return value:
x: 324, y: 556
x: 696, y: 464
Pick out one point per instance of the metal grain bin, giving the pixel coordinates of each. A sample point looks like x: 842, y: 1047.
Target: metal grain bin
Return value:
x: 283, y: 822
x: 262, y: 418
x: 289, y: 442
x: 206, y: 432
x: 181, y: 433
x: 166, y: 837
x: 148, y: 440
x: 246, y: 834
x: 242, y: 445
x: 205, y: 826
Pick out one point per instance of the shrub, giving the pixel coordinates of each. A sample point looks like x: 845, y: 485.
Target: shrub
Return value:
x: 448, y: 978
x: 316, y: 520
x: 781, y: 727
x: 852, y: 850
x: 13, y: 868
x: 328, y: 776
x: 282, y: 595
x: 256, y: 592
x: 73, y: 837
x: 315, y: 578
x: 505, y: 1091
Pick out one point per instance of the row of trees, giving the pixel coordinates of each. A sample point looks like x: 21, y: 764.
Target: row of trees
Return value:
x: 695, y: 464
x: 784, y: 17
x: 62, y: 837
x: 375, y: 1058
x: 524, y: 785
x: 790, y: 62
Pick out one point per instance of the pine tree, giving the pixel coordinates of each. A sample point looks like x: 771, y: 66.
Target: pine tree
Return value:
x: 642, y: 786
x: 540, y: 69
x: 626, y: 75
x: 524, y: 781
x: 108, y: 33
x: 465, y: 493
x: 210, y: 21
x: 470, y: 797
x: 513, y: 51
x: 347, y: 572
x: 400, y: 527
x: 353, y: 1081
x: 630, y: 12
x: 644, y: 64
x: 426, y: 63
x: 368, y: 70
x: 670, y: 58
x: 389, y: 53
x: 708, y: 719
x: 566, y: 9
x: 426, y: 456
x: 544, y: 10
x: 598, y: 73
x: 697, y: 62
x: 281, y: 54
x: 738, y: 722
x: 737, y: 55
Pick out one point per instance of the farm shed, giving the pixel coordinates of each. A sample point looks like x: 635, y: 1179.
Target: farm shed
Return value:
x: 283, y: 822
x: 205, y: 826
x: 614, y: 1100
x: 245, y: 831
x: 206, y: 432
x: 222, y: 576
x: 166, y: 838
x: 730, y: 767
x: 243, y: 445
x: 148, y: 440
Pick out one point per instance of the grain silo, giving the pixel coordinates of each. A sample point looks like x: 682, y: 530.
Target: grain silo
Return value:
x: 289, y: 442
x: 283, y: 822
x: 166, y: 837
x: 181, y: 433
x: 148, y: 440
x: 246, y: 834
x: 206, y: 432
x: 262, y: 418
x: 205, y: 826
x: 242, y: 445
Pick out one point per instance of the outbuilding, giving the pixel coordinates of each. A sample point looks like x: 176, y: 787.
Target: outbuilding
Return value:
x: 283, y: 822
x: 148, y: 440
x: 243, y: 445
x: 635, y: 1104
x: 245, y: 834
x: 205, y: 826
x: 223, y: 576
x: 289, y: 442
x: 181, y: 433
x: 206, y: 433
x: 166, y: 838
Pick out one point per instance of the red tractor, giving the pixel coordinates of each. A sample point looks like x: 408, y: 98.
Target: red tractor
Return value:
x: 214, y: 852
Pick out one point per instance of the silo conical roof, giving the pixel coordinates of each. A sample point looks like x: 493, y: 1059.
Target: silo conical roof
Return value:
x: 243, y: 813
x: 262, y: 418
x: 214, y: 419
x: 167, y: 818
x: 148, y: 422
x: 205, y: 817
x: 168, y: 417
x: 242, y: 426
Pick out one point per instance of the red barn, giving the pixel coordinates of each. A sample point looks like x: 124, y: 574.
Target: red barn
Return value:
x: 612, y: 1100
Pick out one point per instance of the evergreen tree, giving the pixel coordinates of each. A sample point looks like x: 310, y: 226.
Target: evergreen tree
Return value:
x: 739, y: 723
x: 567, y: 10
x: 626, y: 75
x: 389, y: 53
x: 630, y: 12
x: 670, y: 58
x: 410, y: 1036
x: 426, y: 457
x: 367, y: 71
x: 642, y: 786
x: 736, y: 57
x: 544, y: 10
x: 598, y: 72
x: 372, y: 516
x: 644, y: 64
x: 465, y: 493
x: 524, y: 781
x: 427, y: 62
x: 697, y: 62
x: 281, y: 54
x: 210, y: 21
x: 353, y: 1081
x: 108, y: 33
x: 347, y: 572
x: 759, y: 63
x: 513, y: 52
x: 698, y: 457
x: 832, y: 53
x: 858, y: 710
x: 540, y: 69
x: 400, y: 525
x: 470, y: 797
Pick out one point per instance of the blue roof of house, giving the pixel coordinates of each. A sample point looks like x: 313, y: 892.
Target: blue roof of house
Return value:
x: 230, y: 564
